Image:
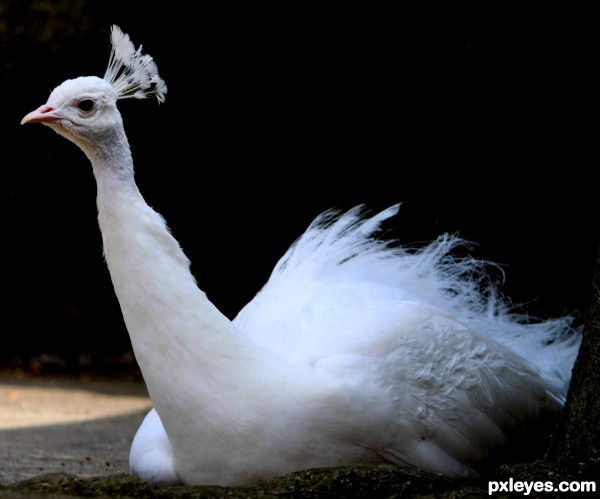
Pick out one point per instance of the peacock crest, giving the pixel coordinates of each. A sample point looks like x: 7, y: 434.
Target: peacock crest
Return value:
x: 131, y: 73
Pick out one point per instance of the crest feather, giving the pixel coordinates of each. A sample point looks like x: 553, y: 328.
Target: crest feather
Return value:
x: 132, y: 74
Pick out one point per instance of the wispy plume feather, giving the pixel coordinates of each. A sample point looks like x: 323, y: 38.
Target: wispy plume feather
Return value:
x: 131, y: 73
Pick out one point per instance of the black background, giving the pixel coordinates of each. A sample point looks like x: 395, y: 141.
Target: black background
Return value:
x: 478, y: 119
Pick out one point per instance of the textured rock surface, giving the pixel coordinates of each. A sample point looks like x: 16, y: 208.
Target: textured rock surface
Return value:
x: 80, y: 444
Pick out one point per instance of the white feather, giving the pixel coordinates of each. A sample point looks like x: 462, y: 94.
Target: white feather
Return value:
x: 132, y: 74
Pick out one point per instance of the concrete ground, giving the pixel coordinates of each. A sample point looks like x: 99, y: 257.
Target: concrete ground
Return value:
x: 79, y: 426
x: 65, y: 438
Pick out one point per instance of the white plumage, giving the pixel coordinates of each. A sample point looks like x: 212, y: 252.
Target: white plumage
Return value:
x: 356, y: 350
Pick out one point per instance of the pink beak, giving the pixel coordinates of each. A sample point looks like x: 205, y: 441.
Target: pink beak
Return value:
x: 43, y: 114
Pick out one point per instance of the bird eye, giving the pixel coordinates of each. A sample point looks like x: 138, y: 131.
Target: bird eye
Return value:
x: 86, y: 105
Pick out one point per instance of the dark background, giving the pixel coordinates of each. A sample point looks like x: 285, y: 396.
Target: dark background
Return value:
x: 476, y: 118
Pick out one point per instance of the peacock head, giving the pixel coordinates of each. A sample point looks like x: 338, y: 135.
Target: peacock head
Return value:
x: 83, y: 105
x: 86, y: 105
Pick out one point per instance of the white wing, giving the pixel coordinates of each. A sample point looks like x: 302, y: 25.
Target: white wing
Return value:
x: 338, y: 267
x: 416, y: 328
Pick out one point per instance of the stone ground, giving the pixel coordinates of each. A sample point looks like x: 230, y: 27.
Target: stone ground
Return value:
x: 67, y: 425
x: 65, y: 438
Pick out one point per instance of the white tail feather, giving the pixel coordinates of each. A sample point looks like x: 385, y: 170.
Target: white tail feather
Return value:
x: 132, y: 74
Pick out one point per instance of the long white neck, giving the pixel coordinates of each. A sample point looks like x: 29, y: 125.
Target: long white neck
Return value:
x: 193, y: 359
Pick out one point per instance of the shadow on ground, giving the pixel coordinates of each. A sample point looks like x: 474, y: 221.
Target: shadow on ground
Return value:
x: 84, y: 453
